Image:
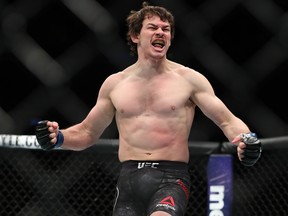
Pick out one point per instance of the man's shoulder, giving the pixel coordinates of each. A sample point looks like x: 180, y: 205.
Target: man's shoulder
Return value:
x: 113, y: 79
x: 180, y: 67
x: 189, y: 74
x: 185, y: 70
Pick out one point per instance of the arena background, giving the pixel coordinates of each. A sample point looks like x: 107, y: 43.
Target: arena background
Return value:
x: 54, y: 55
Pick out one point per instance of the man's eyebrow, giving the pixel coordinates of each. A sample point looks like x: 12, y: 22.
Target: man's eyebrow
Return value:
x: 164, y: 26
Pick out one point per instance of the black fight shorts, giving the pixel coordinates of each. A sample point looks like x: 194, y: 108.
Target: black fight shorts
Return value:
x: 144, y: 187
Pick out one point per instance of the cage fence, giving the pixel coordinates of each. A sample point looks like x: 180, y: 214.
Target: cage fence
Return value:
x: 40, y: 183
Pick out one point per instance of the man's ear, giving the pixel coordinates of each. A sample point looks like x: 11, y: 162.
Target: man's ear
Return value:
x: 135, y: 38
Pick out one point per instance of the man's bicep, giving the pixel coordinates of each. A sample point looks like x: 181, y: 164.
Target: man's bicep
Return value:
x: 214, y: 108
x: 103, y: 112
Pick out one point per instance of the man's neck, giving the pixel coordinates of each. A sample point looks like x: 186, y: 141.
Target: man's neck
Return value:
x: 151, y: 67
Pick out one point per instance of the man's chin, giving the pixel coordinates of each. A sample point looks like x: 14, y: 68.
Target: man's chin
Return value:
x: 159, y: 54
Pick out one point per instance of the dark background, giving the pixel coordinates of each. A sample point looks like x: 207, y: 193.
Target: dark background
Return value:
x: 54, y: 55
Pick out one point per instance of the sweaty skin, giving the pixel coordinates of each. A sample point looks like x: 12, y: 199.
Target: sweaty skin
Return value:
x: 153, y: 102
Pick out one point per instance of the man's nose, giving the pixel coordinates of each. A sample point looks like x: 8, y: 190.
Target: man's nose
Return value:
x: 159, y: 32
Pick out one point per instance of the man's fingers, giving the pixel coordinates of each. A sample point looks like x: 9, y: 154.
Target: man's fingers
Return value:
x: 237, y: 139
x: 55, y: 125
x: 242, y: 145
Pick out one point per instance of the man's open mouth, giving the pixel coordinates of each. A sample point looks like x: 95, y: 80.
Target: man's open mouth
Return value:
x: 158, y: 43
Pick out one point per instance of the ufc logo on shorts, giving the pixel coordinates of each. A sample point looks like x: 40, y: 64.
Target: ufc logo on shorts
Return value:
x: 147, y: 164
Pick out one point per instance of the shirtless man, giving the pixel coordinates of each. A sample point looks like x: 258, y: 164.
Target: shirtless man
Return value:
x: 153, y: 102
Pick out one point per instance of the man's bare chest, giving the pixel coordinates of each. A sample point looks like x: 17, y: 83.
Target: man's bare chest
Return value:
x: 136, y: 98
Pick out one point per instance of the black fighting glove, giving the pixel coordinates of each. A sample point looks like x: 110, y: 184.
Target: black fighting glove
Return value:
x: 253, y: 149
x: 43, y: 136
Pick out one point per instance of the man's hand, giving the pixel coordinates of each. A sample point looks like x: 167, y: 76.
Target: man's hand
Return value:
x: 249, y: 148
x: 48, y: 134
